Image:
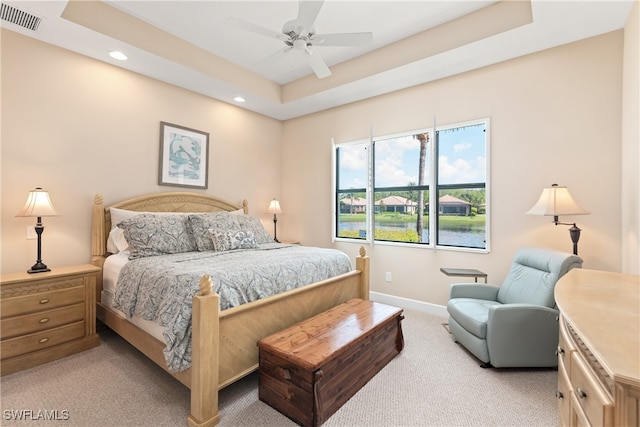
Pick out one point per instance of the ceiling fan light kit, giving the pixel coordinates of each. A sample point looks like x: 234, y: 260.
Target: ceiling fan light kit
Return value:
x: 299, y: 35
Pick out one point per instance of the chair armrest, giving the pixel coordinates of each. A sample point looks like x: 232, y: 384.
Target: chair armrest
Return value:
x: 522, y: 335
x: 474, y: 290
x: 522, y: 313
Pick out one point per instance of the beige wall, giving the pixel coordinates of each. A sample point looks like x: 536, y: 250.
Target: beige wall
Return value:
x: 630, y: 184
x: 76, y: 126
x: 555, y: 118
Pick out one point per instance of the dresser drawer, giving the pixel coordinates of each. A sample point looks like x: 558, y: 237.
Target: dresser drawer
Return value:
x: 565, y: 346
x: 25, y: 303
x: 40, y: 340
x: 29, y: 323
x: 563, y: 394
x: 589, y: 394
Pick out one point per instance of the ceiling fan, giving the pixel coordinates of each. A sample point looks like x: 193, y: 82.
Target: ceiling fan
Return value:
x: 300, y: 35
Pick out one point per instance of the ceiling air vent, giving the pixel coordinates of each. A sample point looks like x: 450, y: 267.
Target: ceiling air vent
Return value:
x: 20, y: 17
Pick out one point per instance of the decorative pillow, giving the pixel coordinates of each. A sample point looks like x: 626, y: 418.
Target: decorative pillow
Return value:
x: 116, y: 241
x: 151, y: 235
x: 253, y: 224
x: 226, y: 240
x: 201, y: 223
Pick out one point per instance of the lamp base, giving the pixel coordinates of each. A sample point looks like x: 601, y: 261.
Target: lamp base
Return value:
x: 38, y: 267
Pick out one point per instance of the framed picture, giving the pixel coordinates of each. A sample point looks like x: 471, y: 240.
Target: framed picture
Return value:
x: 184, y: 156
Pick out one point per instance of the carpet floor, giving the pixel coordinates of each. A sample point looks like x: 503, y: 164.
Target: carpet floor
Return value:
x: 433, y: 382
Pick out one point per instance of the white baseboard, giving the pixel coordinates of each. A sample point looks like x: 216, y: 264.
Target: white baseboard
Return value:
x: 411, y: 304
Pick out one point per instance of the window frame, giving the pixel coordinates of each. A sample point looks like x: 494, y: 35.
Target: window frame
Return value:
x: 431, y: 185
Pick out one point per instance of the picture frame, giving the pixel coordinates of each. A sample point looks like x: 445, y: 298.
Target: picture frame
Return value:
x: 184, y: 156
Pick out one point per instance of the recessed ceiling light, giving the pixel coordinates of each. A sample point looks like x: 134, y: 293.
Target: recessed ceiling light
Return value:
x: 116, y: 54
x: 239, y: 99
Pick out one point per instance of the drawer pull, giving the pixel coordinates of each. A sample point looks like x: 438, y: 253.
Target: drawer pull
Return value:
x: 581, y: 393
x: 560, y: 351
x: 44, y: 301
x: 44, y: 320
x: 559, y: 394
x: 44, y: 340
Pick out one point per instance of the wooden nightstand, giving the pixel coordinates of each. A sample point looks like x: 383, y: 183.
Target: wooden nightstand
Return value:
x: 47, y: 316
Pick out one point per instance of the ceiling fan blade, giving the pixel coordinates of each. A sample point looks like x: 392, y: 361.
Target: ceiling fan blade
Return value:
x: 344, y: 39
x: 318, y: 65
x: 274, y: 57
x: 256, y: 28
x: 307, y: 14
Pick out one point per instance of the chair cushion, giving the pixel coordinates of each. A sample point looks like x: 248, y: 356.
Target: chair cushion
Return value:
x: 471, y: 314
x: 533, y: 276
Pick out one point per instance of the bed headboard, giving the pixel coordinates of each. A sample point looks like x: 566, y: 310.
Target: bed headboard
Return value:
x: 158, y: 202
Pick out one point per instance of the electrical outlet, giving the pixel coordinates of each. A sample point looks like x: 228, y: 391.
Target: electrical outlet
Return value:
x: 388, y: 276
x: 31, y: 233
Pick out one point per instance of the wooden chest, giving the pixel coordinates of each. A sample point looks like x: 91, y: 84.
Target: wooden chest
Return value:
x: 309, y: 370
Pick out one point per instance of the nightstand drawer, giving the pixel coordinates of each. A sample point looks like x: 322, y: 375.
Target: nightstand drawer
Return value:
x: 72, y: 293
x: 20, y: 325
x: 40, y: 340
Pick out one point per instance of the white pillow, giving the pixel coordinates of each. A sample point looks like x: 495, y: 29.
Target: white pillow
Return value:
x: 117, y: 241
x: 116, y: 234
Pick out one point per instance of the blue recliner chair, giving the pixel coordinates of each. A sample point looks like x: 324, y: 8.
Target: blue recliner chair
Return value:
x: 513, y: 325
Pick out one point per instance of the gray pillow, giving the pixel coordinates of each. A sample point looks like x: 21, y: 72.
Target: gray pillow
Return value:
x: 226, y: 240
x: 201, y: 223
x: 253, y: 224
x: 151, y: 235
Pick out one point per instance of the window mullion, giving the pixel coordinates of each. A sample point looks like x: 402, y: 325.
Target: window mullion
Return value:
x: 370, y: 191
x: 433, y: 193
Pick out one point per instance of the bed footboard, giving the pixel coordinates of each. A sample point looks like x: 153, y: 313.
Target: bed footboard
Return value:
x: 225, y: 343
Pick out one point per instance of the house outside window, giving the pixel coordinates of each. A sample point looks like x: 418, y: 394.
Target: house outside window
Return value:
x: 391, y: 189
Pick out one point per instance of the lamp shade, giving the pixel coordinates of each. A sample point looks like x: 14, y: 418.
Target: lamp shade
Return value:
x: 556, y: 201
x: 38, y: 204
x: 274, y: 207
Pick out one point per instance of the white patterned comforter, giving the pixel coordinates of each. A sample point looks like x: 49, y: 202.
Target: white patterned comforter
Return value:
x: 160, y: 288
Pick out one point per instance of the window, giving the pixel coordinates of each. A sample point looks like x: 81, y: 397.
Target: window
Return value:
x: 400, y: 171
x: 461, y: 186
x: 352, y: 180
x: 392, y: 187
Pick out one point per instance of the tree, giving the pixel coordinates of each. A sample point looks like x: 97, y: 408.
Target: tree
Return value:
x: 424, y: 139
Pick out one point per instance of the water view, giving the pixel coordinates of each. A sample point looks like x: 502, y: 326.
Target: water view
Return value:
x: 472, y: 237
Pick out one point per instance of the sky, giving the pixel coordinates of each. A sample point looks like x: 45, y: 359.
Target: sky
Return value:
x: 462, y: 159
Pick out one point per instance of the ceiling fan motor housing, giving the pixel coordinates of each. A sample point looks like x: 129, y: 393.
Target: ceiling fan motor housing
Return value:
x: 289, y: 29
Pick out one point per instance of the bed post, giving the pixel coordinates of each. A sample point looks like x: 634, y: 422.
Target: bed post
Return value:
x: 98, y: 237
x: 204, y: 357
x: 98, y: 240
x: 362, y: 265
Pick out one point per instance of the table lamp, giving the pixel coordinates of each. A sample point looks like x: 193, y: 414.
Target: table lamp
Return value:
x: 38, y: 205
x: 274, y: 208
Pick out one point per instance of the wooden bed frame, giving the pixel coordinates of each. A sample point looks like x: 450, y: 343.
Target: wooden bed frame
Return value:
x: 224, y: 343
